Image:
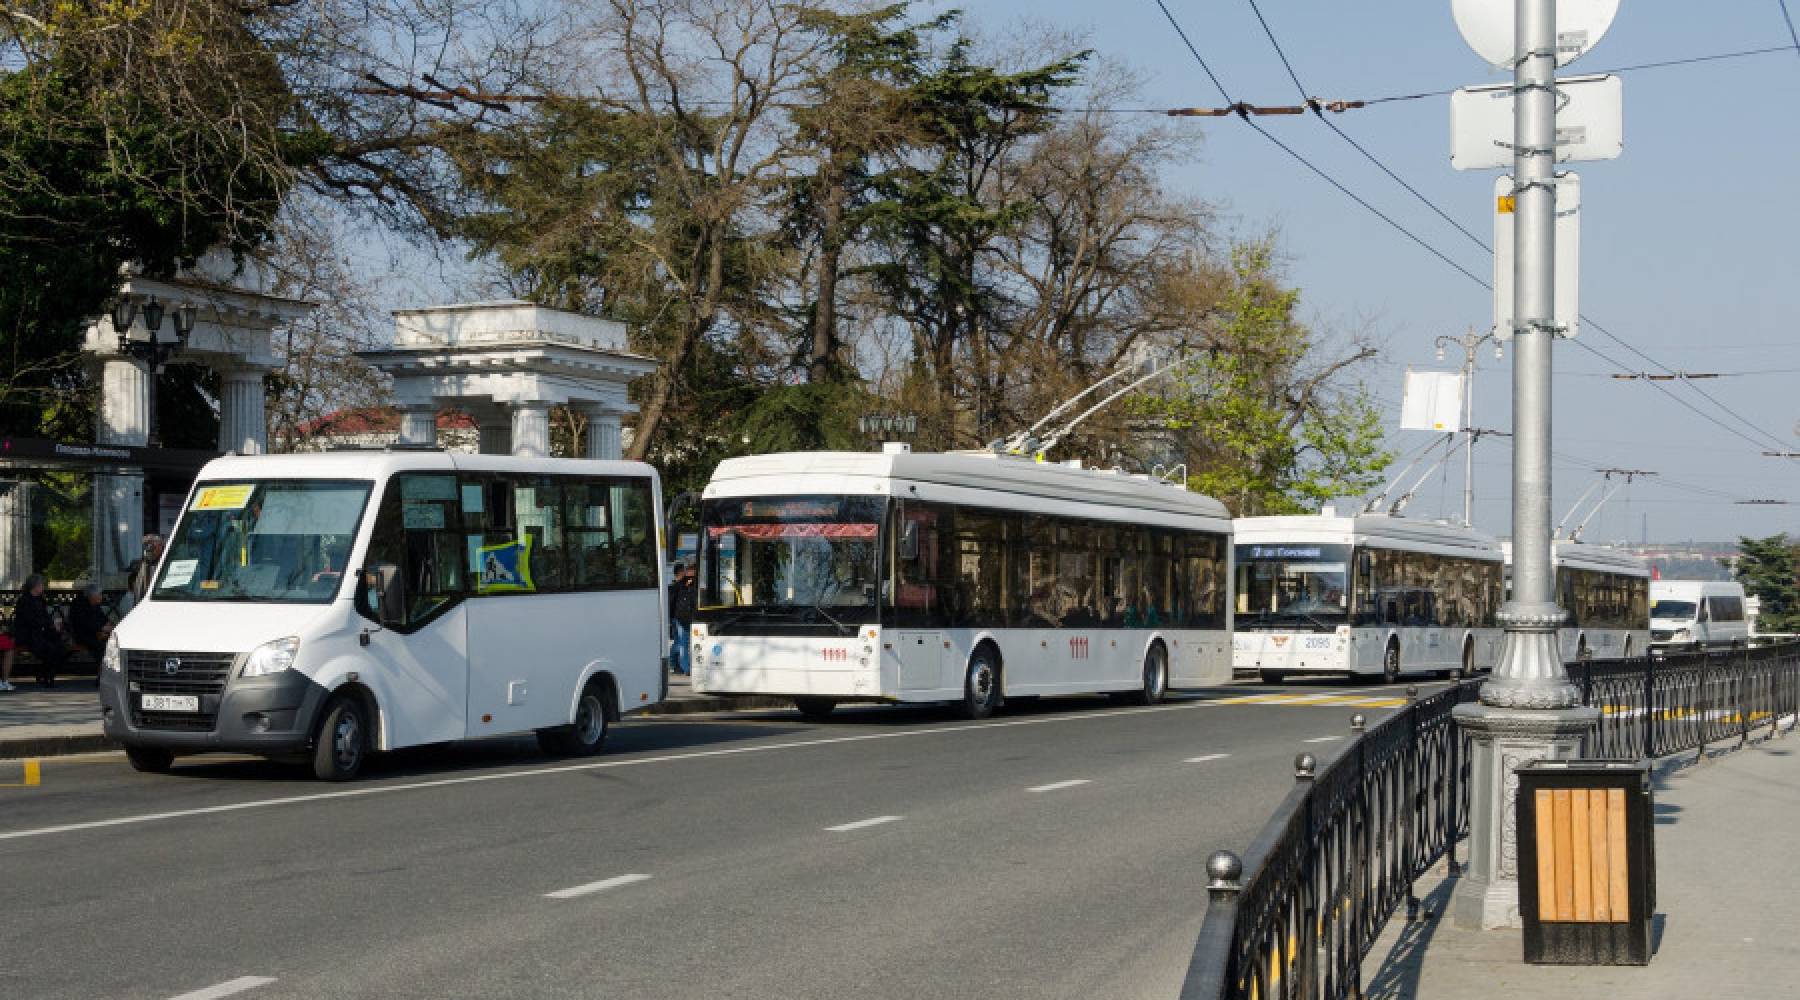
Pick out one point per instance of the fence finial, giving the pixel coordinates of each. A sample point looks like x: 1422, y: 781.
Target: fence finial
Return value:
x: 1305, y: 765
x: 1224, y: 869
x: 1412, y: 692
x: 1357, y: 722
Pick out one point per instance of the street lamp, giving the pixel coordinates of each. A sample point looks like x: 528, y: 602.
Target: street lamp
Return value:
x: 152, y: 350
x: 1469, y: 342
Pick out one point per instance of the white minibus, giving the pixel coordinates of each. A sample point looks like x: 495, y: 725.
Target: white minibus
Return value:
x: 1697, y: 614
x: 1364, y: 595
x: 326, y: 606
x: 964, y: 577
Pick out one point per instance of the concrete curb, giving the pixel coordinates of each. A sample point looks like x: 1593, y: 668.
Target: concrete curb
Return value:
x: 80, y: 740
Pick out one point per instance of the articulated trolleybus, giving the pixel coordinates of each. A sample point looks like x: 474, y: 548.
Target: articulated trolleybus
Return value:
x: 964, y: 577
x: 1365, y: 595
x: 1606, y: 595
x: 326, y: 606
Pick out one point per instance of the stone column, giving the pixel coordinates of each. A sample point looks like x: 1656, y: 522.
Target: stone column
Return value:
x: 602, y: 433
x: 418, y: 425
x: 531, y: 429
x: 15, y: 533
x: 243, y: 421
x: 495, y: 433
x: 124, y: 419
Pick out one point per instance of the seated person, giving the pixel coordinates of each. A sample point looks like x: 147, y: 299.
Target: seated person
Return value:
x: 89, y: 623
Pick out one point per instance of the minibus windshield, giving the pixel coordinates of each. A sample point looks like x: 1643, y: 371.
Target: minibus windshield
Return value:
x: 1678, y: 610
x: 276, y: 540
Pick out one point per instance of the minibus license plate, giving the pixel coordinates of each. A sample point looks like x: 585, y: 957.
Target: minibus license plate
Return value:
x: 171, y: 703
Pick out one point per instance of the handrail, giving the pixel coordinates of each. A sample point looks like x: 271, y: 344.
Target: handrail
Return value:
x: 1298, y: 915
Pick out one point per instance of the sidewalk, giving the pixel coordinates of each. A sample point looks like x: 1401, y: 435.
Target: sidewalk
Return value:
x: 35, y: 722
x: 1727, y: 923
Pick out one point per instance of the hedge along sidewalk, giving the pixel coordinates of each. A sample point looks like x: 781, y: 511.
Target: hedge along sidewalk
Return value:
x: 1727, y: 921
x: 35, y: 722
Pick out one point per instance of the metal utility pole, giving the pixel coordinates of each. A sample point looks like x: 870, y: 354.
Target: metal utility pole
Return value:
x: 1528, y: 709
x: 1469, y: 342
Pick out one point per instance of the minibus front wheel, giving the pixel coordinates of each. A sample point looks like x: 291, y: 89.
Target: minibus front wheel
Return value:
x: 343, y: 742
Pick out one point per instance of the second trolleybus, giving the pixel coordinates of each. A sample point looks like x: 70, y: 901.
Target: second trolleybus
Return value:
x: 1605, y: 594
x: 967, y: 578
x: 1369, y: 595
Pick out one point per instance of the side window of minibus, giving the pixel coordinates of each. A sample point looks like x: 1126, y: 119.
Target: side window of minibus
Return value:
x: 414, y: 546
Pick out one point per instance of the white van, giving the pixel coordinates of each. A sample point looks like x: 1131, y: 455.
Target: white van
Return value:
x: 1697, y: 614
x: 326, y: 606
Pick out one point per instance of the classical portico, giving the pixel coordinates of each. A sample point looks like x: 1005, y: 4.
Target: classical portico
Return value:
x: 230, y: 334
x: 507, y: 364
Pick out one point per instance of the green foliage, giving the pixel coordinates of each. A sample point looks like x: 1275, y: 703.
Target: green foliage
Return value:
x: 810, y: 416
x: 1769, y: 569
x: 93, y: 178
x: 1263, y: 432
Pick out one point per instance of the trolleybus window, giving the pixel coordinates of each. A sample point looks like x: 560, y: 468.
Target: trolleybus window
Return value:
x: 1293, y: 584
x: 801, y: 559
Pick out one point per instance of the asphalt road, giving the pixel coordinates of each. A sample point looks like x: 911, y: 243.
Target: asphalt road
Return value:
x: 1054, y: 851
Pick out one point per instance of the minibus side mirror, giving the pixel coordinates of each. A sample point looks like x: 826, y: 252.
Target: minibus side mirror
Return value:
x: 374, y: 594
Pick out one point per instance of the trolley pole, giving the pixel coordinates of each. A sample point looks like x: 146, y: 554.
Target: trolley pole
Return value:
x: 1528, y: 710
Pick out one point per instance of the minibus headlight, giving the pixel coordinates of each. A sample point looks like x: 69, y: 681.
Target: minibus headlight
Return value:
x: 110, y: 659
x: 270, y: 658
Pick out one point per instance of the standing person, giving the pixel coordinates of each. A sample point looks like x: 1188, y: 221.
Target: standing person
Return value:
x: 681, y: 613
x: 7, y: 652
x: 36, y: 632
x: 141, y: 573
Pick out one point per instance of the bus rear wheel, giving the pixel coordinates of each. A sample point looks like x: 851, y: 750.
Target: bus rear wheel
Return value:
x: 981, y: 686
x: 814, y: 708
x: 587, y: 735
x: 1156, y: 678
x: 1390, y: 664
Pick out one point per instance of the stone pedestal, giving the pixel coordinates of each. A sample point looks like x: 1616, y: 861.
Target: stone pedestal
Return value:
x: 1529, y: 711
x: 603, y: 434
x: 243, y: 422
x: 531, y: 429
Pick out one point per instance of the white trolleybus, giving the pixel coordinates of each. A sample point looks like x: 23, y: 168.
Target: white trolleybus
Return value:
x: 964, y: 577
x: 1364, y: 595
x: 1606, y: 595
x: 326, y: 606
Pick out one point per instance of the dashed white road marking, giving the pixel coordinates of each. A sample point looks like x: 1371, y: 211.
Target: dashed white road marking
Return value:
x: 863, y: 824
x: 228, y: 988
x: 1322, y: 739
x: 1056, y: 786
x: 593, y: 887
x: 1206, y: 757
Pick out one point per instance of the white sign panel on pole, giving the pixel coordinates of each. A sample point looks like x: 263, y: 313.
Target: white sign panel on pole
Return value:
x: 1590, y: 125
x: 1567, y: 308
x: 1432, y: 401
x: 1491, y: 29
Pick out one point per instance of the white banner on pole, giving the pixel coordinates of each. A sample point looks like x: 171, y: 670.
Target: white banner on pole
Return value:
x: 1432, y: 401
x: 1566, y: 310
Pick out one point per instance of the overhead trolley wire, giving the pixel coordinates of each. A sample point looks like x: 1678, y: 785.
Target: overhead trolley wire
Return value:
x: 1478, y: 241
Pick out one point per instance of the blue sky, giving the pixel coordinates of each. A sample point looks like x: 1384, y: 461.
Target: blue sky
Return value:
x: 1687, y: 237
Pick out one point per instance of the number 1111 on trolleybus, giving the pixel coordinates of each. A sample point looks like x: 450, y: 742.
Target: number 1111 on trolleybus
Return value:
x: 966, y: 578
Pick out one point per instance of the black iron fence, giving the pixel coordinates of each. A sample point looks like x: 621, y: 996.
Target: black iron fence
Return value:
x: 1341, y: 853
x: 1653, y: 706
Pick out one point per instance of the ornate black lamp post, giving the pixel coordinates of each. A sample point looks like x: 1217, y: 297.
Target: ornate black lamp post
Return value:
x: 151, y: 349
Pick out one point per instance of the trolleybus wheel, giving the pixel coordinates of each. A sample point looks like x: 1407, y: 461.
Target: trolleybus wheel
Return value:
x: 1156, y: 678
x: 981, y: 687
x: 815, y: 708
x: 1271, y: 676
x: 1390, y: 663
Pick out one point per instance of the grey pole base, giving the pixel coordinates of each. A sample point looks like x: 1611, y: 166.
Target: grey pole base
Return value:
x: 1502, y: 739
